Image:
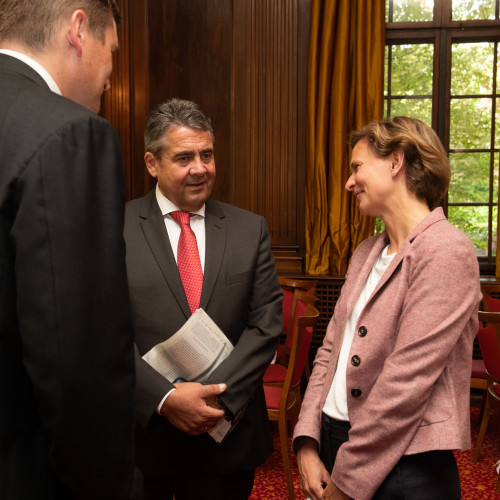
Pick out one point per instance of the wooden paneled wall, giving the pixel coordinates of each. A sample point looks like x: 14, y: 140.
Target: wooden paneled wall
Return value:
x: 245, y: 63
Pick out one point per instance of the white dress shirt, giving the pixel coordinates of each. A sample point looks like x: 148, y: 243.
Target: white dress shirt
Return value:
x: 197, y: 223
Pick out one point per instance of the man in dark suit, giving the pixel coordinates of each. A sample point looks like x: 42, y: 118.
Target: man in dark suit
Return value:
x: 66, y: 342
x: 241, y: 293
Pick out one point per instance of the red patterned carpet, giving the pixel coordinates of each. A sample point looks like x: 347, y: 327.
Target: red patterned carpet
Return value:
x: 478, y: 480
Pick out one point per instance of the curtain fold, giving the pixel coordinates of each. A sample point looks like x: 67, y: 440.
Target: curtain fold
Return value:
x: 345, y: 91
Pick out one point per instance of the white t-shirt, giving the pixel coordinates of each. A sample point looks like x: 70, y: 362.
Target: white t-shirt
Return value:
x: 336, y: 401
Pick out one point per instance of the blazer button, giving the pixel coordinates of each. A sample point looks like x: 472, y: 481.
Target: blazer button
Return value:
x: 355, y: 393
x: 355, y: 360
x: 362, y: 331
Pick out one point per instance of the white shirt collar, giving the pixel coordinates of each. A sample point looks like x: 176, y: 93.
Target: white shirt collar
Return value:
x: 36, y: 66
x: 166, y: 206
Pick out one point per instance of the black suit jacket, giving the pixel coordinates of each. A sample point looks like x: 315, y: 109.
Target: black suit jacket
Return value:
x: 66, y: 346
x: 241, y: 293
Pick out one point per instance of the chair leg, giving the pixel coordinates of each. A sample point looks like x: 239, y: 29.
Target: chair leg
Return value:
x: 482, y: 430
x: 283, y: 431
x: 483, y: 402
x: 294, y: 411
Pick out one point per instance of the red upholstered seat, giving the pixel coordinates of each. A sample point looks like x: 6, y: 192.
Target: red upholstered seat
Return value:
x: 275, y: 373
x: 488, y: 343
x: 478, y: 369
x: 491, y: 296
x: 493, y: 304
x: 273, y: 397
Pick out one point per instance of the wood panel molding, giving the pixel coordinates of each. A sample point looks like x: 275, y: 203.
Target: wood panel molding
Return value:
x: 125, y: 104
x: 268, y: 118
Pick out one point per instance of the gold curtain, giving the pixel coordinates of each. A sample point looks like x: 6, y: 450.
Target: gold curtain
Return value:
x: 345, y: 91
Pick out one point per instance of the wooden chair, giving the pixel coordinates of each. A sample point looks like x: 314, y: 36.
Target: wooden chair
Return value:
x: 289, y: 285
x: 275, y: 373
x: 479, y: 380
x: 479, y: 377
x: 489, y: 341
x: 283, y: 403
x: 292, y: 283
x: 491, y: 297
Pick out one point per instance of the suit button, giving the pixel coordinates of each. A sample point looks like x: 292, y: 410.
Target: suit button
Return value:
x: 355, y: 360
x: 362, y: 331
x: 355, y: 393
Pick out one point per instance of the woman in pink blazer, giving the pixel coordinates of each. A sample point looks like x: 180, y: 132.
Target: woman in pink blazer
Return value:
x: 388, y: 398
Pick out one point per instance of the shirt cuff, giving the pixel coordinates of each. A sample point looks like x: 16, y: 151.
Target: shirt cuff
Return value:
x: 158, y: 408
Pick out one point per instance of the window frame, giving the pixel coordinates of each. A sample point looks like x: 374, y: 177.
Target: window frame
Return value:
x: 442, y: 33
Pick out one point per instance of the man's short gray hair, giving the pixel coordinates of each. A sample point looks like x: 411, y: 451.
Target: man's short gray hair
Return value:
x: 172, y: 113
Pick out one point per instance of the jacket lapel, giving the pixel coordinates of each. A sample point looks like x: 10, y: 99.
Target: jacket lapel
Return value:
x: 436, y: 215
x: 215, y: 236
x: 153, y: 227
x: 369, y: 260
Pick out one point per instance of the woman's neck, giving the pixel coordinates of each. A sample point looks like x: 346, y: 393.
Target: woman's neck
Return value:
x: 403, y: 218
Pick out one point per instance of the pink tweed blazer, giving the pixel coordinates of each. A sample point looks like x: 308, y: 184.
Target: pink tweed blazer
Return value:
x: 410, y: 392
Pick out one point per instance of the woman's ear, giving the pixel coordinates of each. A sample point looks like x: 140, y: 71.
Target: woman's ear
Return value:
x: 397, y: 158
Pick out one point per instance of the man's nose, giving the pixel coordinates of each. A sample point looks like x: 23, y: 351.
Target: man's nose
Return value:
x: 198, y: 167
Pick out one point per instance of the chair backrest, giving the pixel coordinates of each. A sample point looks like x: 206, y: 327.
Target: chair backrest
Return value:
x: 301, y: 342
x: 300, y: 300
x: 489, y: 342
x: 289, y: 285
x: 491, y: 297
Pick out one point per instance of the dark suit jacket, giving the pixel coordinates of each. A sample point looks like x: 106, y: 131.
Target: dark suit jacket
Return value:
x: 66, y: 347
x: 241, y: 293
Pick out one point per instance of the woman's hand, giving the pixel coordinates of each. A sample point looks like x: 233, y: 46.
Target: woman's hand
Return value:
x: 313, y: 475
x: 331, y: 492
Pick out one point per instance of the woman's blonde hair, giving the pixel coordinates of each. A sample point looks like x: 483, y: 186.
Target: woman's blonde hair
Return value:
x: 427, y: 168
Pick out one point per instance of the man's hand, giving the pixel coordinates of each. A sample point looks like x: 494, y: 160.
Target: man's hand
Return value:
x: 187, y: 407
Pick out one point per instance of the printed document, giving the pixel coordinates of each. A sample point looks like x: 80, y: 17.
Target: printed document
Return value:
x: 193, y: 352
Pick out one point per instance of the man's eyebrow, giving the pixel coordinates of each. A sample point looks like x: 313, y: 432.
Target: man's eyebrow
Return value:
x: 180, y: 154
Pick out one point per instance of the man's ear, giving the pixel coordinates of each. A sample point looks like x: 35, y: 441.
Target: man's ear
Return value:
x: 78, y: 29
x: 151, y: 164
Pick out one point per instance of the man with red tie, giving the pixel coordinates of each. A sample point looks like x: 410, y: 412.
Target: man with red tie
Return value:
x: 187, y: 251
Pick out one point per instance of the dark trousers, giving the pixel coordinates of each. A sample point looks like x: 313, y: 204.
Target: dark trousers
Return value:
x: 432, y: 475
x: 195, y: 485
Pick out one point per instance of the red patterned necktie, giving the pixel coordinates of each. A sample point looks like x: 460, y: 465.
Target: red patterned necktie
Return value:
x: 188, y: 260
